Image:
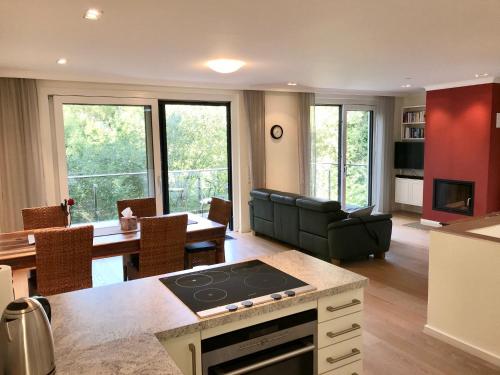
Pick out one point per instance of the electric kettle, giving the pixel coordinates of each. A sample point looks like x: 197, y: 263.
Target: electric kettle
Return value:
x: 26, y: 343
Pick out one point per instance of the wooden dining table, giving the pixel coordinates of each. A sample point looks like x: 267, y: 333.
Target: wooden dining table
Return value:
x: 109, y: 241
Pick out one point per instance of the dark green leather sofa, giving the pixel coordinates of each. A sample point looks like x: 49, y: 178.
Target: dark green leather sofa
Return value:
x: 318, y: 226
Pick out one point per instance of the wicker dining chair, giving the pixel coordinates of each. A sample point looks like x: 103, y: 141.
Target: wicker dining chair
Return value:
x: 44, y: 217
x: 63, y: 260
x: 203, y: 253
x: 161, y: 247
x: 142, y: 207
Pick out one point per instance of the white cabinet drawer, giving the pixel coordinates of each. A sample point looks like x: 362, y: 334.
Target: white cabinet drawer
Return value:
x: 338, y: 355
x: 355, y: 368
x: 336, y: 330
x: 340, y: 304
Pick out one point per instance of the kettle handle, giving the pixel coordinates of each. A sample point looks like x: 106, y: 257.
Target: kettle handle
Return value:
x: 9, y: 335
x: 45, y: 304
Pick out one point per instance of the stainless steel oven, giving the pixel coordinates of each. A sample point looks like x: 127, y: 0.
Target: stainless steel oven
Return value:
x: 286, y: 344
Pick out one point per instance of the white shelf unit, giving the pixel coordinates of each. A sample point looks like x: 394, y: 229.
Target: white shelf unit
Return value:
x: 417, y: 124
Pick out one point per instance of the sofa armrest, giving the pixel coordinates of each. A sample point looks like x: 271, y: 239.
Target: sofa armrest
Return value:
x: 355, y: 237
x: 359, y: 221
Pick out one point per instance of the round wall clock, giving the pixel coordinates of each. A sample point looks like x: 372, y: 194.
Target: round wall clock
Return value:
x: 276, y: 131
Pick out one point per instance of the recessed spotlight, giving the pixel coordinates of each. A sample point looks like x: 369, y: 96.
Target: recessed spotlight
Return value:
x: 292, y: 83
x: 62, y: 61
x: 92, y: 14
x: 480, y: 75
x: 405, y: 86
x: 225, y: 65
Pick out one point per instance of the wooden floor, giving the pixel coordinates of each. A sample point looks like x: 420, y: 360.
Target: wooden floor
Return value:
x: 395, y: 304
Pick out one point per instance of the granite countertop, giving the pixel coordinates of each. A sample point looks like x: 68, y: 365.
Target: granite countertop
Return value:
x: 114, y: 329
x: 485, y: 227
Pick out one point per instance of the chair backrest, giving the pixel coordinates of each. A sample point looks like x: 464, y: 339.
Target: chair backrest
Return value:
x: 220, y: 211
x: 44, y: 217
x: 63, y: 259
x: 142, y: 207
x: 162, y: 244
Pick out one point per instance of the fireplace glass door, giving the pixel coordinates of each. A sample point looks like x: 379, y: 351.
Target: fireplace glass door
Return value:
x: 454, y: 196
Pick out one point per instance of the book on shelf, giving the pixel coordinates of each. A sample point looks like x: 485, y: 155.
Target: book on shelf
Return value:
x: 414, y: 116
x: 414, y: 133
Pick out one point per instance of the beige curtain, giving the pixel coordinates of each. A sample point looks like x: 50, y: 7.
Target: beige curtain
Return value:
x: 21, y: 175
x: 383, y: 154
x: 256, y: 111
x: 306, y: 118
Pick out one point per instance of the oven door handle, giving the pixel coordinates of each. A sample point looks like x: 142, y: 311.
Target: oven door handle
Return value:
x: 271, y: 361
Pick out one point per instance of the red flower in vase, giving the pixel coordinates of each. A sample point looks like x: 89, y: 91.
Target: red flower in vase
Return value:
x: 71, y: 202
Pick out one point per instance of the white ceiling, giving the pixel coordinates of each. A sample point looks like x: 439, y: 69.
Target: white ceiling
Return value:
x: 325, y: 44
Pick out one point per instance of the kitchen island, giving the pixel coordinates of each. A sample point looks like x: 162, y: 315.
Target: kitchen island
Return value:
x: 142, y: 327
x: 464, y: 286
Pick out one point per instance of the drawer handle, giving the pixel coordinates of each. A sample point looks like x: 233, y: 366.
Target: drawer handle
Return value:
x: 332, y: 360
x: 350, y: 304
x: 192, y: 349
x: 354, y: 327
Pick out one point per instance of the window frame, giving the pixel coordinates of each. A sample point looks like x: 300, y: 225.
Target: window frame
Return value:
x: 344, y: 107
x: 152, y: 138
x: 164, y: 146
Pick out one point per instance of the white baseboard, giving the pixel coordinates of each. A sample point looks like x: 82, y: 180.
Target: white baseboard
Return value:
x: 430, y: 223
x: 462, y: 345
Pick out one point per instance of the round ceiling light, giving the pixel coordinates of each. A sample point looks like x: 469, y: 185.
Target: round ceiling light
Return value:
x: 92, y: 14
x: 225, y: 65
x: 62, y: 61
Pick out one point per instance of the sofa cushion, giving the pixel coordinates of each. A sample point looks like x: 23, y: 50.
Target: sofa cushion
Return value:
x: 320, y: 205
x: 262, y: 193
x: 361, y: 212
x: 285, y: 198
x: 317, y: 222
x: 264, y: 227
x: 286, y: 223
x: 317, y: 245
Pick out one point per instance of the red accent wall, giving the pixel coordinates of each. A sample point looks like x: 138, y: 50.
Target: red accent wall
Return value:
x: 494, y: 182
x: 461, y: 143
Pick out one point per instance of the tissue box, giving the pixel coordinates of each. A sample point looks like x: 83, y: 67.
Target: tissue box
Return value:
x: 128, y: 223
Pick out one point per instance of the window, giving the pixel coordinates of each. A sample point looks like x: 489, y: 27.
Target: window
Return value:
x: 108, y: 157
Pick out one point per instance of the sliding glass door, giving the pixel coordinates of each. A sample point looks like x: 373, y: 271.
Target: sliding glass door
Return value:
x: 357, y: 158
x: 196, y: 154
x: 342, y: 154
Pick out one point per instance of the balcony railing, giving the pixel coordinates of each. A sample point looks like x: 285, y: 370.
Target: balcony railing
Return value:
x: 189, y: 190
x: 325, y: 183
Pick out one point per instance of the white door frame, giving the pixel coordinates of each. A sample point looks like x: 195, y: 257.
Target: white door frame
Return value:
x: 60, y: 100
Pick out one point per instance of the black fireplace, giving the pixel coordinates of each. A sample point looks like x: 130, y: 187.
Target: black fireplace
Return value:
x: 453, y: 196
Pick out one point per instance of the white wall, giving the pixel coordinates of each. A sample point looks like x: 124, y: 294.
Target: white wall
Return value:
x: 464, y: 304
x: 282, y: 155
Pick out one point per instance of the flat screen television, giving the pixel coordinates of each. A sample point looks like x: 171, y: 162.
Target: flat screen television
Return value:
x: 409, y: 155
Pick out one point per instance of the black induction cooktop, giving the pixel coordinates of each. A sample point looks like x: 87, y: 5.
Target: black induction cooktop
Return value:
x: 228, y: 288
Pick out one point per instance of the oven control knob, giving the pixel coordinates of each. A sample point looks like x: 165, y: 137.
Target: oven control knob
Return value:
x: 231, y: 308
x: 247, y: 303
x: 276, y: 296
x: 289, y: 293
